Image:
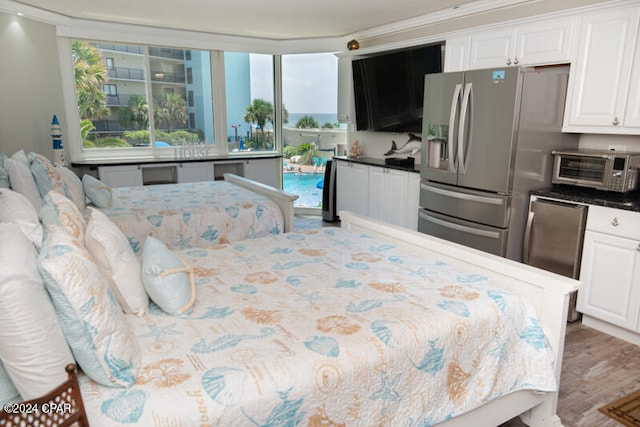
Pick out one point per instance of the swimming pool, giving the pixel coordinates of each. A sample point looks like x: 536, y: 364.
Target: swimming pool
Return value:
x: 305, y: 185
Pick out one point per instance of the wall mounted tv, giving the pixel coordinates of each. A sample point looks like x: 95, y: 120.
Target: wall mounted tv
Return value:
x: 389, y: 87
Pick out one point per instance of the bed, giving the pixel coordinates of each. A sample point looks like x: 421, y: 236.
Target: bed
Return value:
x: 200, y: 214
x: 367, y: 324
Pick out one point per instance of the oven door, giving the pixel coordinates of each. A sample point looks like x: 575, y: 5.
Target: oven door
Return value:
x: 581, y: 170
x: 478, y: 236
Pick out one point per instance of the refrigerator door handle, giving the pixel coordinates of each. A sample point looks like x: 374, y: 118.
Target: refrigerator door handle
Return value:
x: 527, y: 238
x: 463, y: 196
x: 459, y: 227
x: 463, y: 149
x: 455, y: 101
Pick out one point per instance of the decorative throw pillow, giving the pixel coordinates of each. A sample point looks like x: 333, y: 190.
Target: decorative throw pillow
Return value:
x: 22, y: 181
x: 46, y: 175
x: 65, y: 214
x: 4, y: 178
x: 97, y: 191
x: 33, y: 348
x: 8, y: 392
x: 21, y: 157
x: 16, y: 209
x: 97, y: 331
x: 73, y: 186
x: 115, y: 257
x: 168, y: 281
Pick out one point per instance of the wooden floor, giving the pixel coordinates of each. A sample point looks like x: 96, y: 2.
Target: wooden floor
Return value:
x: 596, y: 370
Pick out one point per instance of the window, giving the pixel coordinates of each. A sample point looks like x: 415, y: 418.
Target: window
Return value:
x: 113, y: 104
x: 311, y: 134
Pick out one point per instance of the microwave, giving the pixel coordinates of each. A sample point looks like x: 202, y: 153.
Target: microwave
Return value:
x: 603, y: 170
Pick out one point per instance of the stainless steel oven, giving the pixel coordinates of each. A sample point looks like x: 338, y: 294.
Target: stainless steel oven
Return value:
x: 602, y: 170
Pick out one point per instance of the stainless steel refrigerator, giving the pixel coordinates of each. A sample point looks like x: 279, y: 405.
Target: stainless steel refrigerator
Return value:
x: 487, y: 141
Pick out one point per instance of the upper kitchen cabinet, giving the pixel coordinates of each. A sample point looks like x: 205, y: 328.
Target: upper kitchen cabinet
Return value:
x: 603, y: 94
x: 537, y: 42
x: 345, y: 90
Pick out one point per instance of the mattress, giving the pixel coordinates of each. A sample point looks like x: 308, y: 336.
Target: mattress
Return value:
x: 327, y: 327
x: 198, y: 214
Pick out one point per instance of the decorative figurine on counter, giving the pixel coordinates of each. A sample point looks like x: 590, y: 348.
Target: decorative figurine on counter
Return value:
x: 56, y: 135
x: 412, y: 146
x: 355, y: 151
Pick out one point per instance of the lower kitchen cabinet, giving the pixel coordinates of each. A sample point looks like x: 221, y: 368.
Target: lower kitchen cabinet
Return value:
x: 387, y: 194
x: 610, y: 272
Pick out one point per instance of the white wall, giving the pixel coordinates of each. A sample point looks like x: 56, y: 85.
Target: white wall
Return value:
x: 31, y: 85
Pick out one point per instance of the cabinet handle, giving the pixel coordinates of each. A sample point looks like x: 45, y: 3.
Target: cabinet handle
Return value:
x: 515, y: 61
x: 615, y: 121
x: 615, y: 222
x: 508, y: 61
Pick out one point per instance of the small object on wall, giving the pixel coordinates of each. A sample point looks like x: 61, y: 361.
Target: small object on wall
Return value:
x: 353, y: 44
x: 56, y: 136
x: 355, y: 151
x: 412, y: 146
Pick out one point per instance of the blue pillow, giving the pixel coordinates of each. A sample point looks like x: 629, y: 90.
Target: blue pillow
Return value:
x: 97, y: 191
x: 8, y: 392
x: 166, y: 279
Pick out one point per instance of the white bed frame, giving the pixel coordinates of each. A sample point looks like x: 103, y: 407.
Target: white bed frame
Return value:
x: 283, y: 199
x: 549, y: 293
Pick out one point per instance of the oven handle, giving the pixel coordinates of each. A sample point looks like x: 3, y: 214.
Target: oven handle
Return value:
x: 459, y: 227
x: 463, y: 196
x: 527, y: 238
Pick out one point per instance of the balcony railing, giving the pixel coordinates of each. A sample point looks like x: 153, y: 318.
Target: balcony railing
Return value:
x: 167, y: 53
x: 126, y: 73
x: 138, y: 50
x: 163, y: 76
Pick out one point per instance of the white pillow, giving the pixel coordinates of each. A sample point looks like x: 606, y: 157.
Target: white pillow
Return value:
x: 16, y: 209
x: 22, y: 181
x: 99, y: 335
x: 115, y: 257
x: 73, y: 185
x: 66, y: 214
x: 33, y: 348
x: 169, y: 282
x: 21, y: 156
x: 97, y: 191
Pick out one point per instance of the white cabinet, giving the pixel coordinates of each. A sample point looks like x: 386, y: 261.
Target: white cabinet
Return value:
x: 345, y: 90
x: 264, y: 171
x: 195, y: 171
x: 546, y: 41
x: 352, y: 183
x: 610, y: 271
x: 598, y: 94
x: 456, y: 57
x: 121, y: 176
x: 387, y: 194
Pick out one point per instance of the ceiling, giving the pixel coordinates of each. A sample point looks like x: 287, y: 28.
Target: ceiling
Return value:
x: 273, y: 19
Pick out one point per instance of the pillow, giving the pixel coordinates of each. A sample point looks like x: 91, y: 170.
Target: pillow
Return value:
x: 16, y: 209
x: 97, y: 332
x: 46, y: 175
x: 21, y: 157
x: 4, y: 178
x: 33, y: 348
x: 22, y: 181
x: 168, y: 281
x: 97, y: 191
x: 73, y: 186
x: 8, y: 392
x: 115, y: 257
x: 65, y: 214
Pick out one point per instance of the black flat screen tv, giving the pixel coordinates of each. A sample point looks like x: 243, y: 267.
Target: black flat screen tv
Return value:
x: 389, y: 88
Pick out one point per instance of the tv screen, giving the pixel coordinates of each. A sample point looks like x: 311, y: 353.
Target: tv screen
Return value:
x: 389, y: 88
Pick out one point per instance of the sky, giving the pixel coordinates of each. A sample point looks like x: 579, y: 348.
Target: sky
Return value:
x: 309, y: 81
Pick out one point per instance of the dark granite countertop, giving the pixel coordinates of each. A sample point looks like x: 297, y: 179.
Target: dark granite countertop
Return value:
x: 373, y: 161
x: 627, y: 201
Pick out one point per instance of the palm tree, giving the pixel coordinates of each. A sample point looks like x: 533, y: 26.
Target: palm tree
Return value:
x: 139, y: 110
x: 90, y: 75
x: 307, y: 122
x: 259, y: 112
x: 173, y: 109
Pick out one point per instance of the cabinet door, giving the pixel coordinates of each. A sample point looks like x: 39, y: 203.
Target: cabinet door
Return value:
x: 610, y: 271
x: 601, y: 73
x: 632, y: 111
x: 492, y: 48
x: 456, y: 57
x: 345, y: 90
x: 120, y: 176
x: 264, y: 171
x: 396, y: 197
x: 352, y: 183
x: 413, y: 200
x: 545, y: 42
x: 377, y: 190
x: 196, y: 171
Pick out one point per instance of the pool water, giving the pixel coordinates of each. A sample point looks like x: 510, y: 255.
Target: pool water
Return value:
x: 305, y: 186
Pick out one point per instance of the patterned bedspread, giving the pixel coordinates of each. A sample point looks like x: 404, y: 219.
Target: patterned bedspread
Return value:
x: 327, y: 327
x: 188, y: 215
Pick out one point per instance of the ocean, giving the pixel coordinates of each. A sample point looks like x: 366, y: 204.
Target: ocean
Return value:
x: 321, y: 118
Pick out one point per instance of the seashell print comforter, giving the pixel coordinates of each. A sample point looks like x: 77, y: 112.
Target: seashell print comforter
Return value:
x: 327, y: 327
x: 194, y: 214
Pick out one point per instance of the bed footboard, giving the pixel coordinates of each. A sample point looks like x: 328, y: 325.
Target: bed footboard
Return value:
x: 283, y: 199
x: 547, y: 292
